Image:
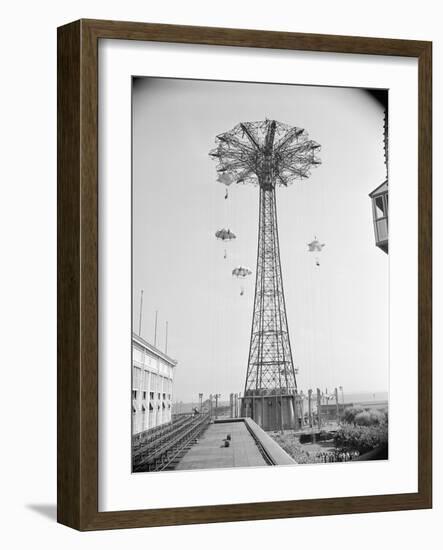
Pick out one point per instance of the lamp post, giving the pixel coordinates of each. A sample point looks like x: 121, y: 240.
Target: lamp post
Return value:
x: 319, y: 408
x: 337, y: 406
x: 327, y: 396
x: 342, y: 398
x: 310, y: 408
x: 217, y: 395
x: 302, y: 397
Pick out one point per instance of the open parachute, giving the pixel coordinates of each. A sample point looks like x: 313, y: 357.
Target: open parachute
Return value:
x: 316, y: 246
x: 226, y: 179
x: 241, y: 272
x: 225, y: 235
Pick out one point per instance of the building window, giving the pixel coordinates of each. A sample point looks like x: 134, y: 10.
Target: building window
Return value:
x: 144, y: 395
x: 158, y: 395
x: 381, y: 218
x: 134, y: 394
x: 136, y: 376
x: 151, y: 395
x: 380, y: 215
x: 379, y: 207
x: 164, y: 396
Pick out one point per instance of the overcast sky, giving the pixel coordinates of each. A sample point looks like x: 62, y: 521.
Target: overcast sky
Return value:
x: 337, y: 312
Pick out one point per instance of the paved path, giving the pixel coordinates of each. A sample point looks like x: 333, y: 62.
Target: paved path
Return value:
x: 210, y: 451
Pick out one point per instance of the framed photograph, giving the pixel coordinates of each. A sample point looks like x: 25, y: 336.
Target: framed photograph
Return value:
x: 244, y: 275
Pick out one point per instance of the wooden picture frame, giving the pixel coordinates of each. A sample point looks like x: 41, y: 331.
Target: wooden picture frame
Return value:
x: 78, y: 274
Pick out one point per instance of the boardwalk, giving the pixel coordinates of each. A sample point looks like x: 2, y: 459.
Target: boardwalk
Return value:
x: 210, y: 451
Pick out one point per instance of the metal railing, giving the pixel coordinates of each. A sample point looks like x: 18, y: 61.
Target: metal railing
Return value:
x: 164, y: 450
x: 149, y: 438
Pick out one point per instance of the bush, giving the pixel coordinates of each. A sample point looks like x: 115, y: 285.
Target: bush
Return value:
x: 289, y: 443
x: 361, y: 438
x: 350, y: 414
x: 365, y: 417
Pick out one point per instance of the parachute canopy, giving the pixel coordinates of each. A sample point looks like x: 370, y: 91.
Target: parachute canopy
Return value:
x: 241, y: 271
x: 225, y: 235
x: 315, y: 246
x: 225, y: 178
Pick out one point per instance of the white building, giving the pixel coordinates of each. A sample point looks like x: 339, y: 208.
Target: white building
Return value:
x: 152, y: 381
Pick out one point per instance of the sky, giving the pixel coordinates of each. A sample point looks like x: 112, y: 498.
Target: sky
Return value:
x: 337, y: 312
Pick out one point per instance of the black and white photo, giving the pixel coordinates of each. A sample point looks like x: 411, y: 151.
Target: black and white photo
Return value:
x: 260, y: 274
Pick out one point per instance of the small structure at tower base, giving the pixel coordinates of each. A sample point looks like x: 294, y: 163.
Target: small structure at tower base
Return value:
x: 271, y: 410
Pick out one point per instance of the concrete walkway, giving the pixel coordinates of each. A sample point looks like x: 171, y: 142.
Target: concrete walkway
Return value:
x: 210, y: 452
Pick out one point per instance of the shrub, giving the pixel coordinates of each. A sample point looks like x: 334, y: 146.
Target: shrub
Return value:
x: 350, y: 414
x: 361, y: 438
x: 289, y: 442
x: 365, y: 417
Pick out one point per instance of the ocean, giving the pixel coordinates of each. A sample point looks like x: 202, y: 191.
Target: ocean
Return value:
x: 363, y: 398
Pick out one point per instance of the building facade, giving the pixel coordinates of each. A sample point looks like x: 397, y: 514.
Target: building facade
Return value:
x: 380, y: 197
x: 152, y: 385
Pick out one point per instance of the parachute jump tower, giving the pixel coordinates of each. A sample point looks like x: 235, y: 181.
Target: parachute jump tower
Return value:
x: 269, y: 154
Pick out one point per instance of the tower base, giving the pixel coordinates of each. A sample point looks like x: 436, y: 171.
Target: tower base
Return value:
x: 271, y: 411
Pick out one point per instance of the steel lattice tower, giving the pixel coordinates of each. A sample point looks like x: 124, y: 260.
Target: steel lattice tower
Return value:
x: 270, y: 364
x: 268, y: 154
